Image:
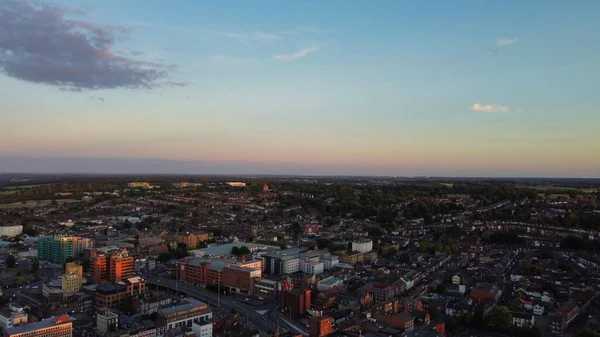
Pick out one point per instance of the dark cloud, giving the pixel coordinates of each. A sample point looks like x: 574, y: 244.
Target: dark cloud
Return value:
x: 43, y: 43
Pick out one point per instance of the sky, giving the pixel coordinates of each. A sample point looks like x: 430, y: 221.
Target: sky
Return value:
x: 440, y: 88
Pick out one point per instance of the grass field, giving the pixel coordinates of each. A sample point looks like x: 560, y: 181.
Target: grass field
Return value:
x: 34, y: 203
x: 8, y: 191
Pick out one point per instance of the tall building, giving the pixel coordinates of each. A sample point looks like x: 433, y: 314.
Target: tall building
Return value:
x: 83, y: 244
x: 57, y: 249
x: 99, y: 268
x: 121, y: 266
x: 72, y: 279
x: 111, y: 295
x: 60, y: 326
x: 320, y: 326
x: 362, y: 246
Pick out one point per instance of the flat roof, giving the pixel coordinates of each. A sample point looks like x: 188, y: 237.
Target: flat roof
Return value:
x: 190, y: 304
x: 47, y: 323
x: 226, y: 248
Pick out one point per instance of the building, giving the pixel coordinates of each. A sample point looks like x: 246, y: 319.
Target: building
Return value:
x: 71, y: 280
x: 139, y: 184
x: 52, y: 327
x: 11, y: 230
x: 83, y: 244
x: 362, y: 246
x: 191, y: 240
x: 522, y: 320
x: 203, y: 328
x: 282, y: 262
x: 99, y: 268
x: 312, y: 228
x: 295, y: 302
x: 485, y: 292
x: 57, y: 249
x: 315, y: 262
x: 110, y: 295
x: 107, y: 322
x: 12, y: 316
x: 240, y: 278
x: 121, y: 266
x: 265, y: 287
x: 235, y: 184
x: 320, y: 326
x: 236, y: 276
x: 184, y: 314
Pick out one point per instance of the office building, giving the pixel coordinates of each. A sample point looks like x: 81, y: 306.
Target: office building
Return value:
x: 11, y: 230
x: 99, y: 268
x: 203, y: 328
x: 320, y: 326
x: 191, y: 240
x: 362, y: 246
x: 83, y: 244
x: 72, y: 279
x: 295, y: 302
x: 52, y: 327
x: 110, y: 295
x: 107, y: 322
x: 57, y: 249
x: 282, y: 262
x: 184, y: 314
x: 121, y: 266
x: 234, y: 275
x: 12, y: 316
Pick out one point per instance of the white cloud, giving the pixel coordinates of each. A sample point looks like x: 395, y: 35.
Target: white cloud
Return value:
x: 489, y: 108
x: 254, y: 36
x: 299, y: 54
x: 504, y: 42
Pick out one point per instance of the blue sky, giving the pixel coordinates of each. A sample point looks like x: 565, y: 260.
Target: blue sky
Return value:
x: 482, y: 88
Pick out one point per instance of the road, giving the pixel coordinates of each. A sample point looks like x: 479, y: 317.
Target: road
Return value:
x: 259, y: 321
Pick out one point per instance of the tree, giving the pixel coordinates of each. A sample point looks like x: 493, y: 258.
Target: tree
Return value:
x: 29, y: 230
x: 11, y: 262
x: 440, y: 289
x: 451, y: 324
x: 127, y: 306
x: 500, y: 318
x: 35, y: 266
x: 535, y: 331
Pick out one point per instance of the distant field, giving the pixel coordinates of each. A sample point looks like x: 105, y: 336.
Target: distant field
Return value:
x: 35, y: 203
x: 562, y: 188
x: 8, y: 192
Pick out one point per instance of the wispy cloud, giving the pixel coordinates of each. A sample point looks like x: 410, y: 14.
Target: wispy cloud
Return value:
x: 489, y: 108
x: 505, y: 42
x: 299, y: 54
x: 303, y: 29
x: 96, y: 98
x: 228, y: 59
x: 253, y: 36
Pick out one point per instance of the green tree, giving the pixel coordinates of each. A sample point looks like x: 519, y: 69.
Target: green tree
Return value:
x: 127, y: 306
x: 451, y: 324
x: 500, y: 318
x: 11, y: 262
x: 535, y: 331
x: 35, y: 266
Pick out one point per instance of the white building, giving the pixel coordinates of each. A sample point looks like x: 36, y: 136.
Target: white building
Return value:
x: 236, y: 184
x: 538, y: 309
x: 362, y: 246
x: 523, y: 320
x: 311, y: 267
x: 202, y: 328
x: 15, y: 315
x: 11, y: 231
x: 329, y: 282
x: 106, y: 322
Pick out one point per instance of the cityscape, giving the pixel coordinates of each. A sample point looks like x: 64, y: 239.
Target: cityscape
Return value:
x: 289, y: 168
x: 299, y: 256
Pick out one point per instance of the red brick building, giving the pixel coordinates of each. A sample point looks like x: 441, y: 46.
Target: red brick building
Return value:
x: 320, y: 326
x: 295, y: 302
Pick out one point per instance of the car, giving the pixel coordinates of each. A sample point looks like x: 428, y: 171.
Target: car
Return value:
x: 260, y: 298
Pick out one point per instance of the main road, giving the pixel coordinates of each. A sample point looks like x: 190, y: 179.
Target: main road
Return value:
x: 260, y: 321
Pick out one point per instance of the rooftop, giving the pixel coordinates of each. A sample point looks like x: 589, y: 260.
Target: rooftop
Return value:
x: 24, y: 328
x: 190, y: 304
x: 226, y: 248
